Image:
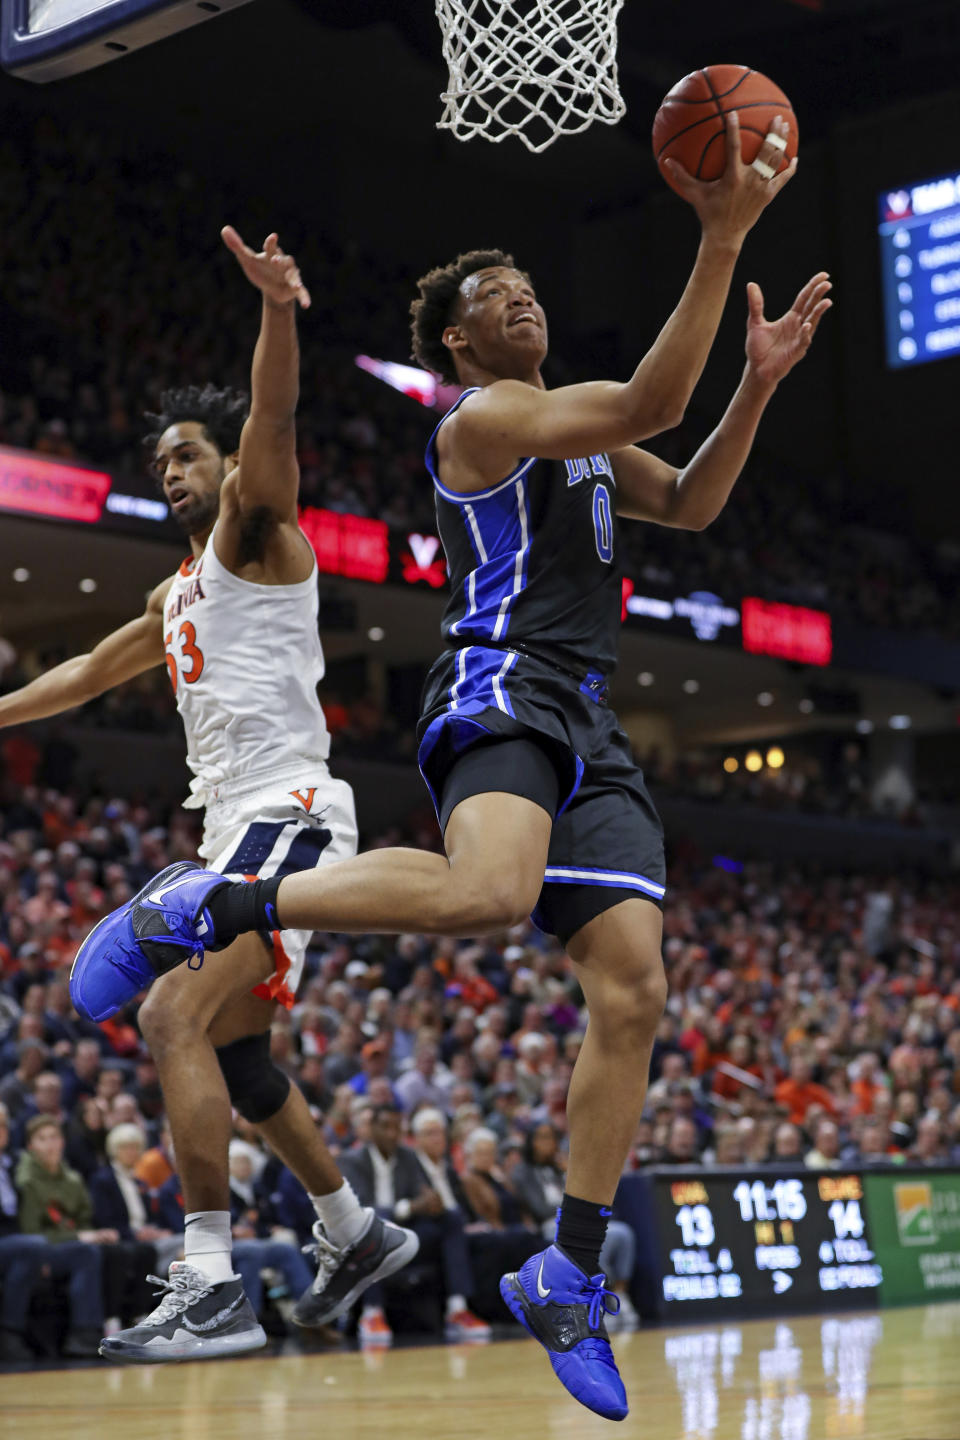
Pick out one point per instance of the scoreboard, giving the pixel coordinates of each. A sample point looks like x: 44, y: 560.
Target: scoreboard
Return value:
x: 734, y: 1241
x: 919, y: 232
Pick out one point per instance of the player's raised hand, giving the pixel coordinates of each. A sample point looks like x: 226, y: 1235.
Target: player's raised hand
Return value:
x: 775, y: 346
x: 730, y: 206
x: 272, y: 271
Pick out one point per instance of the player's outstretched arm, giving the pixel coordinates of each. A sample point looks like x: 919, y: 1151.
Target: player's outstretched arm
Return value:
x: 268, y: 476
x: 511, y: 420
x: 690, y: 499
x: 135, y: 647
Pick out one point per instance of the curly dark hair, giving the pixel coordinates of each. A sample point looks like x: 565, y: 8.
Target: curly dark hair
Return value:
x: 433, y: 310
x: 220, y: 412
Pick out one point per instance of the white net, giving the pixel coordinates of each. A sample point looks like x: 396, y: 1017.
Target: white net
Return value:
x: 536, y: 69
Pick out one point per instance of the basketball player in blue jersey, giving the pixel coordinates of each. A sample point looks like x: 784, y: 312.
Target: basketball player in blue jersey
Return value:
x: 237, y: 629
x: 541, y: 806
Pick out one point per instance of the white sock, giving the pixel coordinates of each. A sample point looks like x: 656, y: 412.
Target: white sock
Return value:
x: 342, y: 1215
x: 455, y: 1303
x: 208, y: 1244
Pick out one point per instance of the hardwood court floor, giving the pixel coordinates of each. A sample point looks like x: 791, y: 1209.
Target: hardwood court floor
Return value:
x: 890, y: 1376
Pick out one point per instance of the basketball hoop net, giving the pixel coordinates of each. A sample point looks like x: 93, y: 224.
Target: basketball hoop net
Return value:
x: 537, y: 69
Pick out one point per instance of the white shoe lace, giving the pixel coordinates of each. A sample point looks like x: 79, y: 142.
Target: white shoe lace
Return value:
x: 185, y: 1287
x: 326, y: 1257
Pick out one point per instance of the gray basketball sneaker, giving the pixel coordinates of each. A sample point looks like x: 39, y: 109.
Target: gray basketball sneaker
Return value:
x: 343, y: 1275
x: 195, y: 1320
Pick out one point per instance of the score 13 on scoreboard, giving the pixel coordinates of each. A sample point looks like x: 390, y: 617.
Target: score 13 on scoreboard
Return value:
x: 771, y: 1242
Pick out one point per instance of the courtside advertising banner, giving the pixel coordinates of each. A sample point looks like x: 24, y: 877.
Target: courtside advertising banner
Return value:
x: 915, y: 1227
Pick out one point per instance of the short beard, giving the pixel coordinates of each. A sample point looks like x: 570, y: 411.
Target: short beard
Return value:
x: 199, y: 515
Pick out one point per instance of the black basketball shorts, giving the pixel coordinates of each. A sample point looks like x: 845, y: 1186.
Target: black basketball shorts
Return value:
x: 499, y: 720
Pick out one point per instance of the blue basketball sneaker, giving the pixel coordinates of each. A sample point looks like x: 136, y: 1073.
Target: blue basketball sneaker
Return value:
x: 165, y: 924
x: 564, y: 1309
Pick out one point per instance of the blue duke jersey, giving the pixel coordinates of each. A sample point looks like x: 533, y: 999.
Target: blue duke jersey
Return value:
x: 533, y: 561
x: 531, y: 633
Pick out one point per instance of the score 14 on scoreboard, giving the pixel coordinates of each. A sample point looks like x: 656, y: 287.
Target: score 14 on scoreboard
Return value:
x: 725, y: 1240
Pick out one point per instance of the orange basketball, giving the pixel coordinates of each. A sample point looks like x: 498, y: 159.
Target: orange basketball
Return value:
x: 689, y: 125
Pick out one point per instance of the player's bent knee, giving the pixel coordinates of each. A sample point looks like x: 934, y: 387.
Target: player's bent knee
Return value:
x: 481, y: 904
x: 630, y: 1010
x: 174, y: 1015
x: 163, y: 1024
x: 258, y: 1089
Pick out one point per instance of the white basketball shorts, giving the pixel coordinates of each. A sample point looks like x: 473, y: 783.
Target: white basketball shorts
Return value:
x: 275, y: 825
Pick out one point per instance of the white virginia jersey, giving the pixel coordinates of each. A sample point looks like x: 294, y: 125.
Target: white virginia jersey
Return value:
x: 244, y: 661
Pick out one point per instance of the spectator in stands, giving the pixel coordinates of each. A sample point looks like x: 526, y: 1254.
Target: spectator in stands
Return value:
x: 122, y: 1203
x: 825, y: 1154
x: 872, y: 1145
x: 426, y: 1083
x: 539, y: 1180
x: 156, y: 1166
x: 21, y: 1261
x: 338, y: 1121
x: 906, y: 1113
x: 867, y: 1082
x: 644, y: 1150
x: 375, y: 1063
x: 389, y: 1176
x: 497, y: 1241
x: 683, y: 1142
x: 54, y: 1204
x: 429, y: 1135
x: 727, y: 1146
x: 80, y: 1077
x: 86, y: 1137
x: 16, y: 1088
x: 799, y: 1091
x: 66, y: 1211
x: 787, y: 1143
x: 259, y: 1244
x: 503, y: 1117
x: 45, y: 1099
x: 489, y: 1199
x: 110, y: 1082
x: 531, y: 1067
x: 930, y: 1146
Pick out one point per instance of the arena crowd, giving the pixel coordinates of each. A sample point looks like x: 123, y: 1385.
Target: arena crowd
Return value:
x: 824, y: 778
x: 107, y: 304
x: 813, y: 1018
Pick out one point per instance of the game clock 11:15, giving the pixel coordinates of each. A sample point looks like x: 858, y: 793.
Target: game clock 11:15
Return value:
x: 772, y: 1242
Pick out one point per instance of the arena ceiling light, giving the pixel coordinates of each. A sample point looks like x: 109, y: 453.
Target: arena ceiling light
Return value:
x: 645, y: 678
x: 899, y: 722
x: 21, y: 574
x: 691, y: 686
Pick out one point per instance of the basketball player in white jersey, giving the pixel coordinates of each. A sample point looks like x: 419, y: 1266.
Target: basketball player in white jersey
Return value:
x: 237, y: 628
